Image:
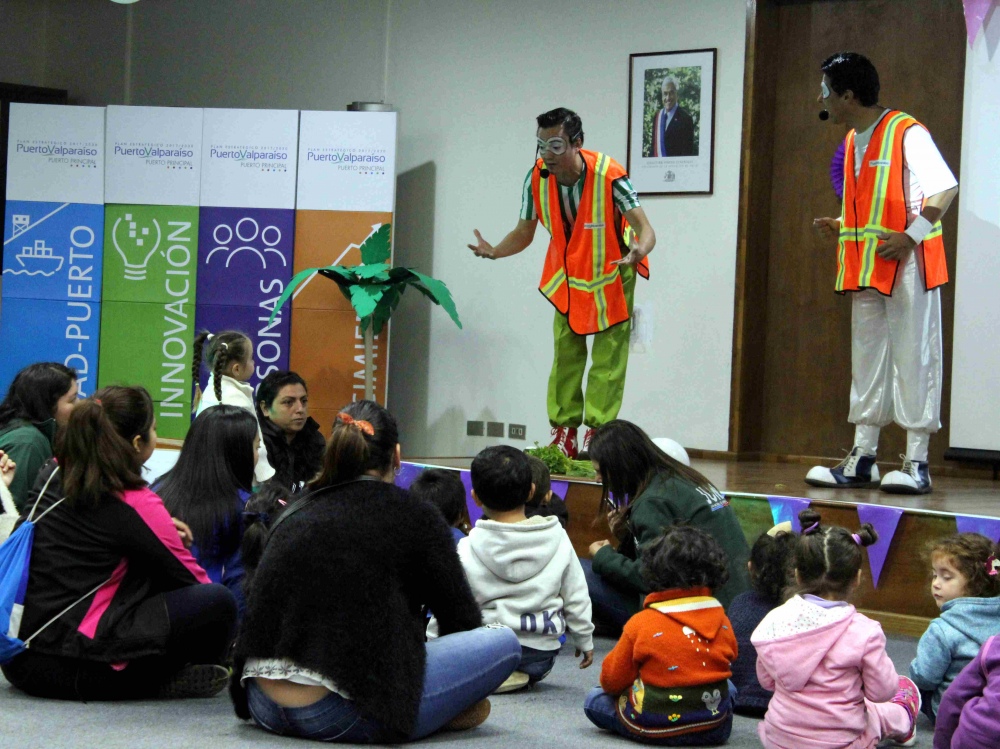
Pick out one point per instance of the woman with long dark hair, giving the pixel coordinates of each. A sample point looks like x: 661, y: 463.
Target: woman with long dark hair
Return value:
x: 39, y: 400
x: 648, y: 491
x: 332, y: 646
x: 117, y: 607
x: 209, y: 486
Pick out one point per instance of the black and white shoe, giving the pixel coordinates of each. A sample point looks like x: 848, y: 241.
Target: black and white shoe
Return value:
x: 913, y: 478
x: 856, y: 471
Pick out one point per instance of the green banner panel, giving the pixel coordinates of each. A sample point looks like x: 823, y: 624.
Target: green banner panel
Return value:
x: 150, y: 253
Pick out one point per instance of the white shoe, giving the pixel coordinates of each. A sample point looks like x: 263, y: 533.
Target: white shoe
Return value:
x: 517, y: 680
x: 857, y: 470
x: 913, y: 478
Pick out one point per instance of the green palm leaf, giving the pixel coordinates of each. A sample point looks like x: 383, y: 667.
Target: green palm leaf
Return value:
x: 375, y: 249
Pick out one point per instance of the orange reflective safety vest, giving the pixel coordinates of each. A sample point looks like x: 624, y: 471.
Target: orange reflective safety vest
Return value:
x: 578, y: 277
x: 874, y: 202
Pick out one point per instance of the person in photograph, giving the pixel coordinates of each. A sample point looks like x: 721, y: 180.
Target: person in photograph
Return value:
x: 673, y: 127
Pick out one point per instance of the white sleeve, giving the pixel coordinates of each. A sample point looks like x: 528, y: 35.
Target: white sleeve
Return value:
x: 926, y: 163
x: 576, y: 602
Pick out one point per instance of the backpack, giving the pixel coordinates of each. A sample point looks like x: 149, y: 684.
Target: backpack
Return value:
x: 15, y: 560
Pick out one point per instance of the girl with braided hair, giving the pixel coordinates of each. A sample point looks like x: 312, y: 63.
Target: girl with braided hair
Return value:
x: 833, y: 683
x: 229, y: 356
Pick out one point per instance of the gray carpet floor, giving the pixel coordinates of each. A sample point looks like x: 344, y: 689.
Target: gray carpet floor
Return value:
x: 550, y: 715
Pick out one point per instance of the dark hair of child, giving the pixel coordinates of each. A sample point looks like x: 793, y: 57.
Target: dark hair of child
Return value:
x: 352, y: 451
x: 222, y: 349
x: 501, y: 478
x: 35, y: 392
x: 443, y: 489
x: 541, y: 478
x: 260, y: 512
x: 684, y: 557
x: 96, y: 451
x: 827, y: 557
x: 769, y: 565
x: 202, y: 488
x: 970, y: 554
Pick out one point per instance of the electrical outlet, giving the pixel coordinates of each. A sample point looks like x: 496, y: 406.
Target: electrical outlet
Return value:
x: 515, y: 431
x: 494, y: 429
x: 474, y: 429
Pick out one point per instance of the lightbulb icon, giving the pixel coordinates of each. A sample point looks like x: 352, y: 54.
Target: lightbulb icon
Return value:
x: 138, y: 248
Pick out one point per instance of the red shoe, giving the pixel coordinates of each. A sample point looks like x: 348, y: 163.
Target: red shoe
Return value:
x: 586, y: 439
x: 565, y: 440
x: 908, y: 696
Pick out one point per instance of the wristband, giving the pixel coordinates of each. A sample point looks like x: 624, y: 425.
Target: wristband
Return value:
x: 918, y: 229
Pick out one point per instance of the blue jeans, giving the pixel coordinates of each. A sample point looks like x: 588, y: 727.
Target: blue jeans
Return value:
x: 461, y: 670
x: 601, y: 708
x: 612, y: 606
x: 536, y: 663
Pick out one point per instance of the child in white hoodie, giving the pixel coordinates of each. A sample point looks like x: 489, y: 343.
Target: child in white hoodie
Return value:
x: 229, y: 356
x: 523, y: 571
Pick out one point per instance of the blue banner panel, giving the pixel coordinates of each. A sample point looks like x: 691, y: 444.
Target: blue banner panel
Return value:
x: 53, y: 251
x: 271, y: 343
x: 37, y: 330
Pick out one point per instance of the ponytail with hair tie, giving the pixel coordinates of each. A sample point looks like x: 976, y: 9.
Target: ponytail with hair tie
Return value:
x: 359, y: 424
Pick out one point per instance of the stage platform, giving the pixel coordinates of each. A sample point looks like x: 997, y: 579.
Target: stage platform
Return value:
x: 761, y: 491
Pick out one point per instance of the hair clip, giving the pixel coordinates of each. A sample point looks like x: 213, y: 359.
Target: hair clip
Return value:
x: 282, y: 502
x: 224, y: 346
x: 210, y: 336
x: 992, y: 565
x: 362, y: 426
x: 811, y: 529
x: 98, y: 401
x: 857, y: 538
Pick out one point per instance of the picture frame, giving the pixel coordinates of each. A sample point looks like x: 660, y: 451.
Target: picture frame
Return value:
x: 672, y: 152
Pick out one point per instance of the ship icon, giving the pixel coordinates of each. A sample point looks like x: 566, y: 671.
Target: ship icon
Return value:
x: 37, y: 260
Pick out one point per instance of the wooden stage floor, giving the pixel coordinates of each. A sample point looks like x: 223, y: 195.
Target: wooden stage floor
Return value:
x: 960, y: 496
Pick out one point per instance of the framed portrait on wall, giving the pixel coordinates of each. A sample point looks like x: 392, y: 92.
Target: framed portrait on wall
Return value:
x: 671, y: 121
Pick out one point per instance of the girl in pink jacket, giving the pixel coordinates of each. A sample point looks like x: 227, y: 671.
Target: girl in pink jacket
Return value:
x: 834, y: 685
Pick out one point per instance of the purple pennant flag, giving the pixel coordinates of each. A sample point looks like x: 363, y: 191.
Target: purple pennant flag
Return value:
x: 975, y: 15
x: 408, y: 473
x: 787, y: 509
x: 989, y: 527
x: 559, y: 489
x: 475, y: 512
x: 884, y: 520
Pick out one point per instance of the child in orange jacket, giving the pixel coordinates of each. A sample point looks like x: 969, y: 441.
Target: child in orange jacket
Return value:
x: 667, y: 680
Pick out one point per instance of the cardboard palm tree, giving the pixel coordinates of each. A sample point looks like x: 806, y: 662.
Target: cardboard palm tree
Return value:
x: 374, y: 289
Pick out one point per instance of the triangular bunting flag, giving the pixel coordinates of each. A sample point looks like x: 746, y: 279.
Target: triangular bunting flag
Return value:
x: 884, y: 520
x: 975, y: 15
x: 989, y: 527
x: 559, y: 489
x: 474, y: 512
x: 787, y: 509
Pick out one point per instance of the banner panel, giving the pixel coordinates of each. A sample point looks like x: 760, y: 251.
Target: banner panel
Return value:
x: 249, y: 158
x: 347, y: 161
x: 37, y: 330
x: 56, y: 154
x: 53, y: 251
x: 153, y: 155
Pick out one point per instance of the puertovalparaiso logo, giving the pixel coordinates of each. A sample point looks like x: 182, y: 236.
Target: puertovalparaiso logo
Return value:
x: 150, y: 278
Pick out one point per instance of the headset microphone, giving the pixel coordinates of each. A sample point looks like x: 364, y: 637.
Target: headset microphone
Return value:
x: 824, y: 115
x: 543, y: 173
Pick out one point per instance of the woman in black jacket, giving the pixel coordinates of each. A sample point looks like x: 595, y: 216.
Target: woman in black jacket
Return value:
x: 332, y: 646
x: 292, y: 437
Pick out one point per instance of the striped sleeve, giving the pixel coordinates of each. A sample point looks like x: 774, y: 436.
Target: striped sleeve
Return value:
x: 527, y: 201
x: 624, y: 195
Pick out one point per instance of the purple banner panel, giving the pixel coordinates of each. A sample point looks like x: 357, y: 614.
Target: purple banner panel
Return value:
x: 787, y: 509
x: 559, y: 489
x: 884, y: 520
x: 271, y: 343
x: 475, y: 512
x: 408, y: 473
x: 989, y: 527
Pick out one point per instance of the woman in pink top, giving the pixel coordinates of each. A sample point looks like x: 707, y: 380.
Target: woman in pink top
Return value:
x: 834, y: 685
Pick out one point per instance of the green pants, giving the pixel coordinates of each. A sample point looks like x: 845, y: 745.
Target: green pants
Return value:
x: 606, y: 381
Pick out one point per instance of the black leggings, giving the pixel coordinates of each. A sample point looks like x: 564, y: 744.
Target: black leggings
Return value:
x: 202, y: 626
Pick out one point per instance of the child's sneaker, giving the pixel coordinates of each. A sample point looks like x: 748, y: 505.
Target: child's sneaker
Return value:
x: 517, y: 680
x: 201, y: 680
x: 908, y: 697
x: 470, y: 717
x: 857, y: 470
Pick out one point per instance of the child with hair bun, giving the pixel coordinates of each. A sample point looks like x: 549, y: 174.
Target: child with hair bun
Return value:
x: 834, y: 685
x: 965, y: 585
x: 769, y: 571
x: 667, y: 680
x: 259, y: 513
x: 229, y: 356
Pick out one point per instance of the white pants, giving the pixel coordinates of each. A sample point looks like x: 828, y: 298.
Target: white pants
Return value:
x: 896, y: 368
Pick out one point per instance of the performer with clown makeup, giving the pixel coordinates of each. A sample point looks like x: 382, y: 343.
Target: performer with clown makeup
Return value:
x: 600, y: 238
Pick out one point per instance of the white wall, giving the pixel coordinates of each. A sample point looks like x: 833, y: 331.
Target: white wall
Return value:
x: 468, y: 84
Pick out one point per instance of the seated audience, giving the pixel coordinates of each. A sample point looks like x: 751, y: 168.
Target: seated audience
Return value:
x: 667, y: 680
x: 39, y: 400
x: 332, y: 645
x: 543, y: 502
x: 834, y: 685
x: 648, y: 491
x: 294, y: 443
x: 523, y: 571
x: 969, y: 714
x: 445, y: 490
x: 966, y: 592
x: 260, y: 512
x: 768, y: 565
x: 116, y: 607
x: 208, y: 487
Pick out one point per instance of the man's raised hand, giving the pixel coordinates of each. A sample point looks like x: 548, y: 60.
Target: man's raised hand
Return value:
x: 482, y: 248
